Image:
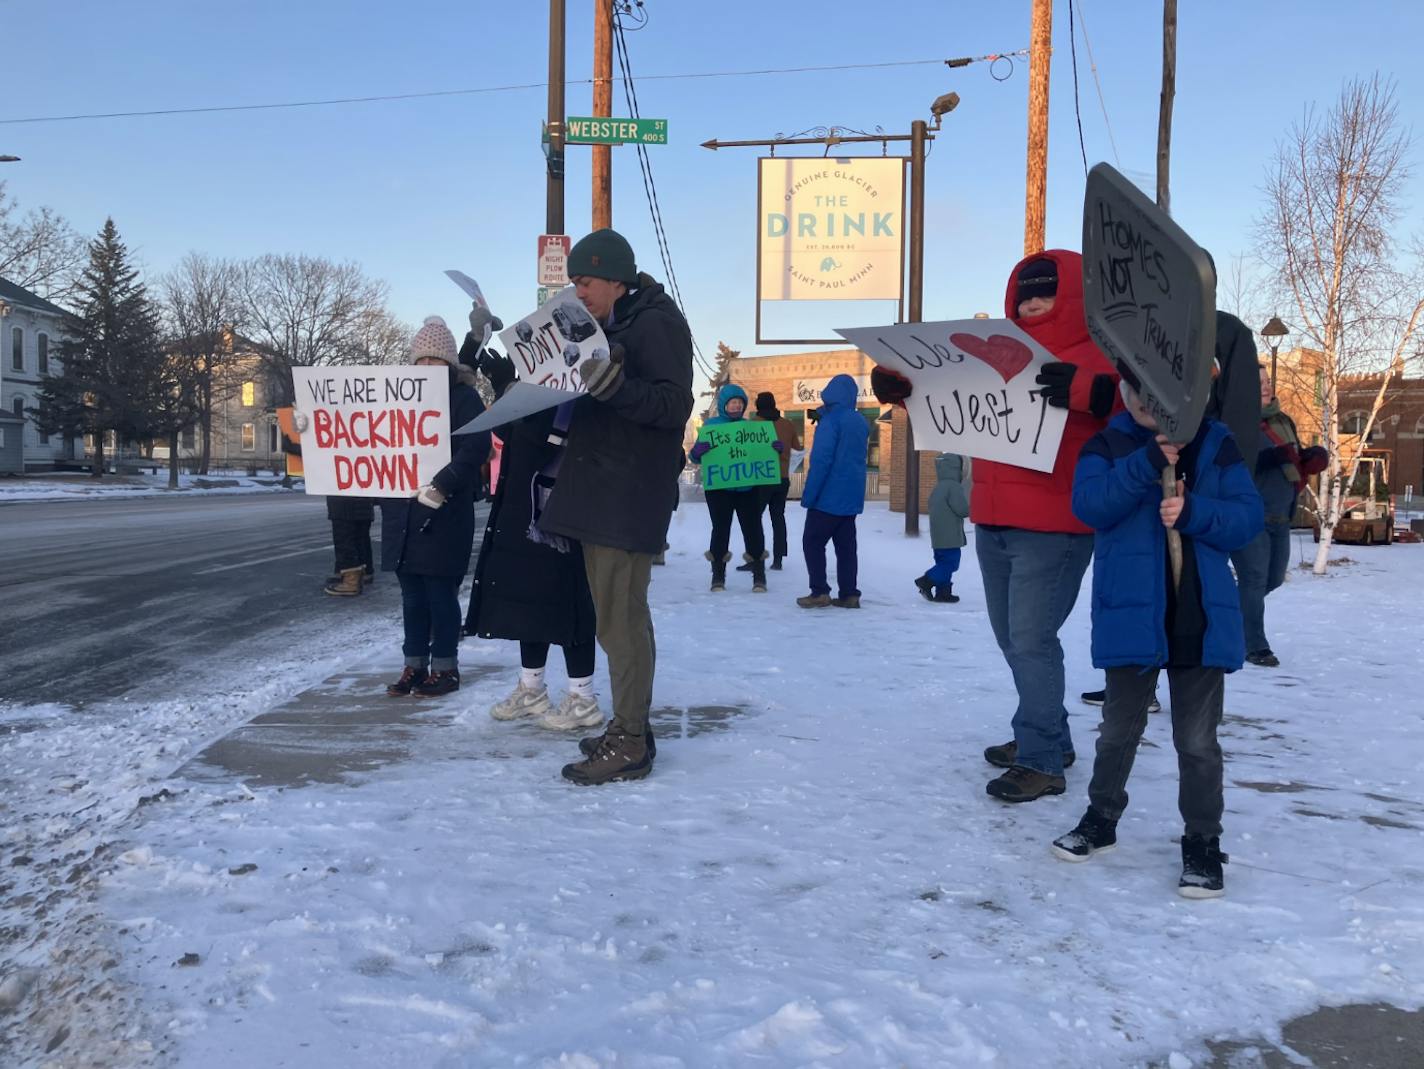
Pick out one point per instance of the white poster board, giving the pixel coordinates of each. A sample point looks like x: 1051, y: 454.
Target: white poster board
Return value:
x: 974, y: 389
x: 470, y: 286
x: 373, y: 431
x: 830, y: 229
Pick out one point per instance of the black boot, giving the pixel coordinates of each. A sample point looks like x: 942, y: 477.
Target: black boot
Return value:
x: 925, y: 585
x: 719, y: 570
x: 945, y: 594
x: 759, y: 576
x: 1201, y: 868
x: 776, y: 562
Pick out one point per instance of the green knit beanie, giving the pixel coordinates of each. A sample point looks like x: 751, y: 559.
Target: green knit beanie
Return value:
x: 603, y: 254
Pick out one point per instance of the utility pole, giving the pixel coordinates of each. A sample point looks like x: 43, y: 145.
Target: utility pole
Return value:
x: 1036, y: 191
x: 1169, y: 93
x: 554, y: 212
x: 602, y: 107
x: 915, y: 312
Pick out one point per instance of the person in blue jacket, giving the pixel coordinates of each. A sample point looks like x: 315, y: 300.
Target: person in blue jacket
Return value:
x: 834, y: 495
x: 1144, y: 620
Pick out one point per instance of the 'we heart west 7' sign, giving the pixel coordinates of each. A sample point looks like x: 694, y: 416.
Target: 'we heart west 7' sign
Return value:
x: 974, y: 388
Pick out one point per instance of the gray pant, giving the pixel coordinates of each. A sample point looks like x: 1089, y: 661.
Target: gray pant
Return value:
x: 1197, y: 695
x: 618, y: 580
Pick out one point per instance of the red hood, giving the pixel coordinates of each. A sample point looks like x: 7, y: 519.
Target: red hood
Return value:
x: 1065, y: 324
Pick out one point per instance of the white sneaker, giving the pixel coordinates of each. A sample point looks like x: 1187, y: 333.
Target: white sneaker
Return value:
x: 574, y: 713
x: 523, y: 702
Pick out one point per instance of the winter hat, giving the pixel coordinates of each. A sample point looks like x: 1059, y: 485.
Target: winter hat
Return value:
x: 1037, y: 278
x: 766, y: 405
x: 603, y: 254
x: 434, y: 339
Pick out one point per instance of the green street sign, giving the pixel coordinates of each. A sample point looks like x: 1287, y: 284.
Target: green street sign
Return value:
x: 603, y: 131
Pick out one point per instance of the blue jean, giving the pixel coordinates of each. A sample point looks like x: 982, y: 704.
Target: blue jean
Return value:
x: 1260, y: 568
x: 430, y: 609
x: 822, y: 527
x: 945, y: 565
x: 1031, y: 581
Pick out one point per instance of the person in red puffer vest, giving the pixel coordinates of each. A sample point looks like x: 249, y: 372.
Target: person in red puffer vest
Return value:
x: 1032, y: 550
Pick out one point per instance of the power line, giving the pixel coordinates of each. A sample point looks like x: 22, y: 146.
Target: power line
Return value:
x: 1077, y: 110
x: 1102, y: 102
x: 208, y: 110
x: 650, y: 189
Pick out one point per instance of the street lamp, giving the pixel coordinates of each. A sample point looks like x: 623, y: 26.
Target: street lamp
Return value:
x: 1273, y: 332
x: 9, y: 159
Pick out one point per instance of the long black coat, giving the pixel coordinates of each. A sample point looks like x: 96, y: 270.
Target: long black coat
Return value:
x: 1236, y: 391
x: 442, y: 548
x: 524, y: 590
x: 618, y: 483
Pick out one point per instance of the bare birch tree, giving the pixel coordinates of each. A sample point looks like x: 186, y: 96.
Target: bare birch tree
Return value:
x: 1333, y: 198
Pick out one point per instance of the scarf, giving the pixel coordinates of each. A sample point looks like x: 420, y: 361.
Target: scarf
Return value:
x: 542, y: 485
x: 1279, y: 430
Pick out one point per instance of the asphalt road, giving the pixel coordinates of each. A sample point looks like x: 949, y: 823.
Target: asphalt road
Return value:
x: 100, y: 598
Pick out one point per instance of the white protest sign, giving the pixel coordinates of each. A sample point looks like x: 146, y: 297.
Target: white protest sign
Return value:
x: 373, y: 431
x: 471, y: 287
x: 548, y: 345
x: 974, y: 389
x: 519, y: 400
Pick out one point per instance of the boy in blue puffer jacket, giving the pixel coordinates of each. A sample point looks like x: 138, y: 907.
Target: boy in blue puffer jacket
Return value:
x: 1144, y: 622
x: 834, y: 495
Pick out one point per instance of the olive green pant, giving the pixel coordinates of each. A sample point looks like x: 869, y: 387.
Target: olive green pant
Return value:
x: 618, y: 580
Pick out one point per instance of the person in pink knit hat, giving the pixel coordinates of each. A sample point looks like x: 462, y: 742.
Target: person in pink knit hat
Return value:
x: 426, y: 539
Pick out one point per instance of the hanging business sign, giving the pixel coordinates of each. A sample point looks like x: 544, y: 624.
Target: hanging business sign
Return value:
x: 830, y: 230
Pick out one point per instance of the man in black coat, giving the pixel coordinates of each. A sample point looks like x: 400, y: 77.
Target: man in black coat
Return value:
x: 618, y: 483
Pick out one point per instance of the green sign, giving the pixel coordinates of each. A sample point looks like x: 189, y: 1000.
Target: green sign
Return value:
x: 543, y: 294
x: 604, y: 131
x: 743, y: 454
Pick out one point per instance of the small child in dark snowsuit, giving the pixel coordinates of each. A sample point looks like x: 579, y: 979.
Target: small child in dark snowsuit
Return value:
x: 949, y: 505
x: 1143, y: 621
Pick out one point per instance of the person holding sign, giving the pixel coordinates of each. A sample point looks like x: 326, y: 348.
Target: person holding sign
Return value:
x: 1143, y: 621
x: 834, y: 495
x: 1032, y: 550
x: 745, y: 502
x: 775, y: 496
x: 426, y: 539
x: 618, y: 482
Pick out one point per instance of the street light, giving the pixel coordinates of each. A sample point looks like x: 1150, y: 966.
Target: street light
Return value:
x: 1273, y: 332
x: 9, y: 159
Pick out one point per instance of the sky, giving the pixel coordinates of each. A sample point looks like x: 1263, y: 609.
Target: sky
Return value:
x: 409, y: 188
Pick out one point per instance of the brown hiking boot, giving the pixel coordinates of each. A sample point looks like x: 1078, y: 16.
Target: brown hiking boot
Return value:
x: 616, y: 757
x: 409, y: 679
x: 851, y: 601
x: 1020, y: 784
x: 348, y: 585
x: 1004, y: 756
x: 814, y: 601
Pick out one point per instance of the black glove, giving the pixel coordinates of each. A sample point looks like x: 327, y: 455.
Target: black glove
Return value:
x: 499, y: 369
x: 889, y: 387
x: 813, y: 414
x: 1313, y: 460
x: 1057, y: 382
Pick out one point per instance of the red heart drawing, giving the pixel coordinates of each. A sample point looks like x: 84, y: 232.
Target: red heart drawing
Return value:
x: 1008, y: 356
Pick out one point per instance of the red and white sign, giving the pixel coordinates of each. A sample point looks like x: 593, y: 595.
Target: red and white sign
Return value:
x: 372, y: 431
x: 554, y: 259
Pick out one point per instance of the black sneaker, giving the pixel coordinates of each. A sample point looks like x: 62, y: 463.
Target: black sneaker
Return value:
x: 1264, y: 658
x: 409, y: 679
x: 1098, y: 697
x: 438, y: 684
x: 1020, y: 784
x: 1094, y: 834
x: 588, y: 745
x: 1005, y: 755
x: 1201, y: 868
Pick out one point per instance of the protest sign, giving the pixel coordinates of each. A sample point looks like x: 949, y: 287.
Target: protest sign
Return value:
x: 974, y: 388
x: 1149, y: 292
x: 470, y: 286
x: 519, y: 400
x: 548, y: 344
x: 743, y: 454
x: 372, y: 431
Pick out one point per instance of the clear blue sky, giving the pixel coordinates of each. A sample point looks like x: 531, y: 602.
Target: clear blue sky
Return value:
x: 409, y: 188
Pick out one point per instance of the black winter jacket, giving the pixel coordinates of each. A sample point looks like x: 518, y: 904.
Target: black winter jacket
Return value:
x: 618, y: 483
x: 1236, y: 391
x: 443, y: 547
x: 525, y: 590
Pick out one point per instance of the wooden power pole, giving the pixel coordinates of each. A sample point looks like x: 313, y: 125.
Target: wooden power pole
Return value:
x: 1036, y: 191
x: 602, y: 106
x: 1164, y: 116
x: 554, y: 201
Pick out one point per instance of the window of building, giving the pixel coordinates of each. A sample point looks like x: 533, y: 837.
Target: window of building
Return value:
x: 249, y: 394
x: 190, y: 437
x: 43, y: 343
x: 17, y: 349
x: 249, y: 437
x: 272, y: 444
x: 1353, y: 423
x: 44, y: 437
x: 19, y: 407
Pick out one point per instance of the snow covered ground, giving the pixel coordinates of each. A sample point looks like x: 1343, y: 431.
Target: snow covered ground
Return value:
x: 63, y: 486
x: 812, y: 876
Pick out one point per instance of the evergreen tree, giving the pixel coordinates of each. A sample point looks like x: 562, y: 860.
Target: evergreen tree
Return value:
x: 112, y: 377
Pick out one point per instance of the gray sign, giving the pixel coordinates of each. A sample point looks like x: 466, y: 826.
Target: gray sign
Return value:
x: 1150, y: 295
